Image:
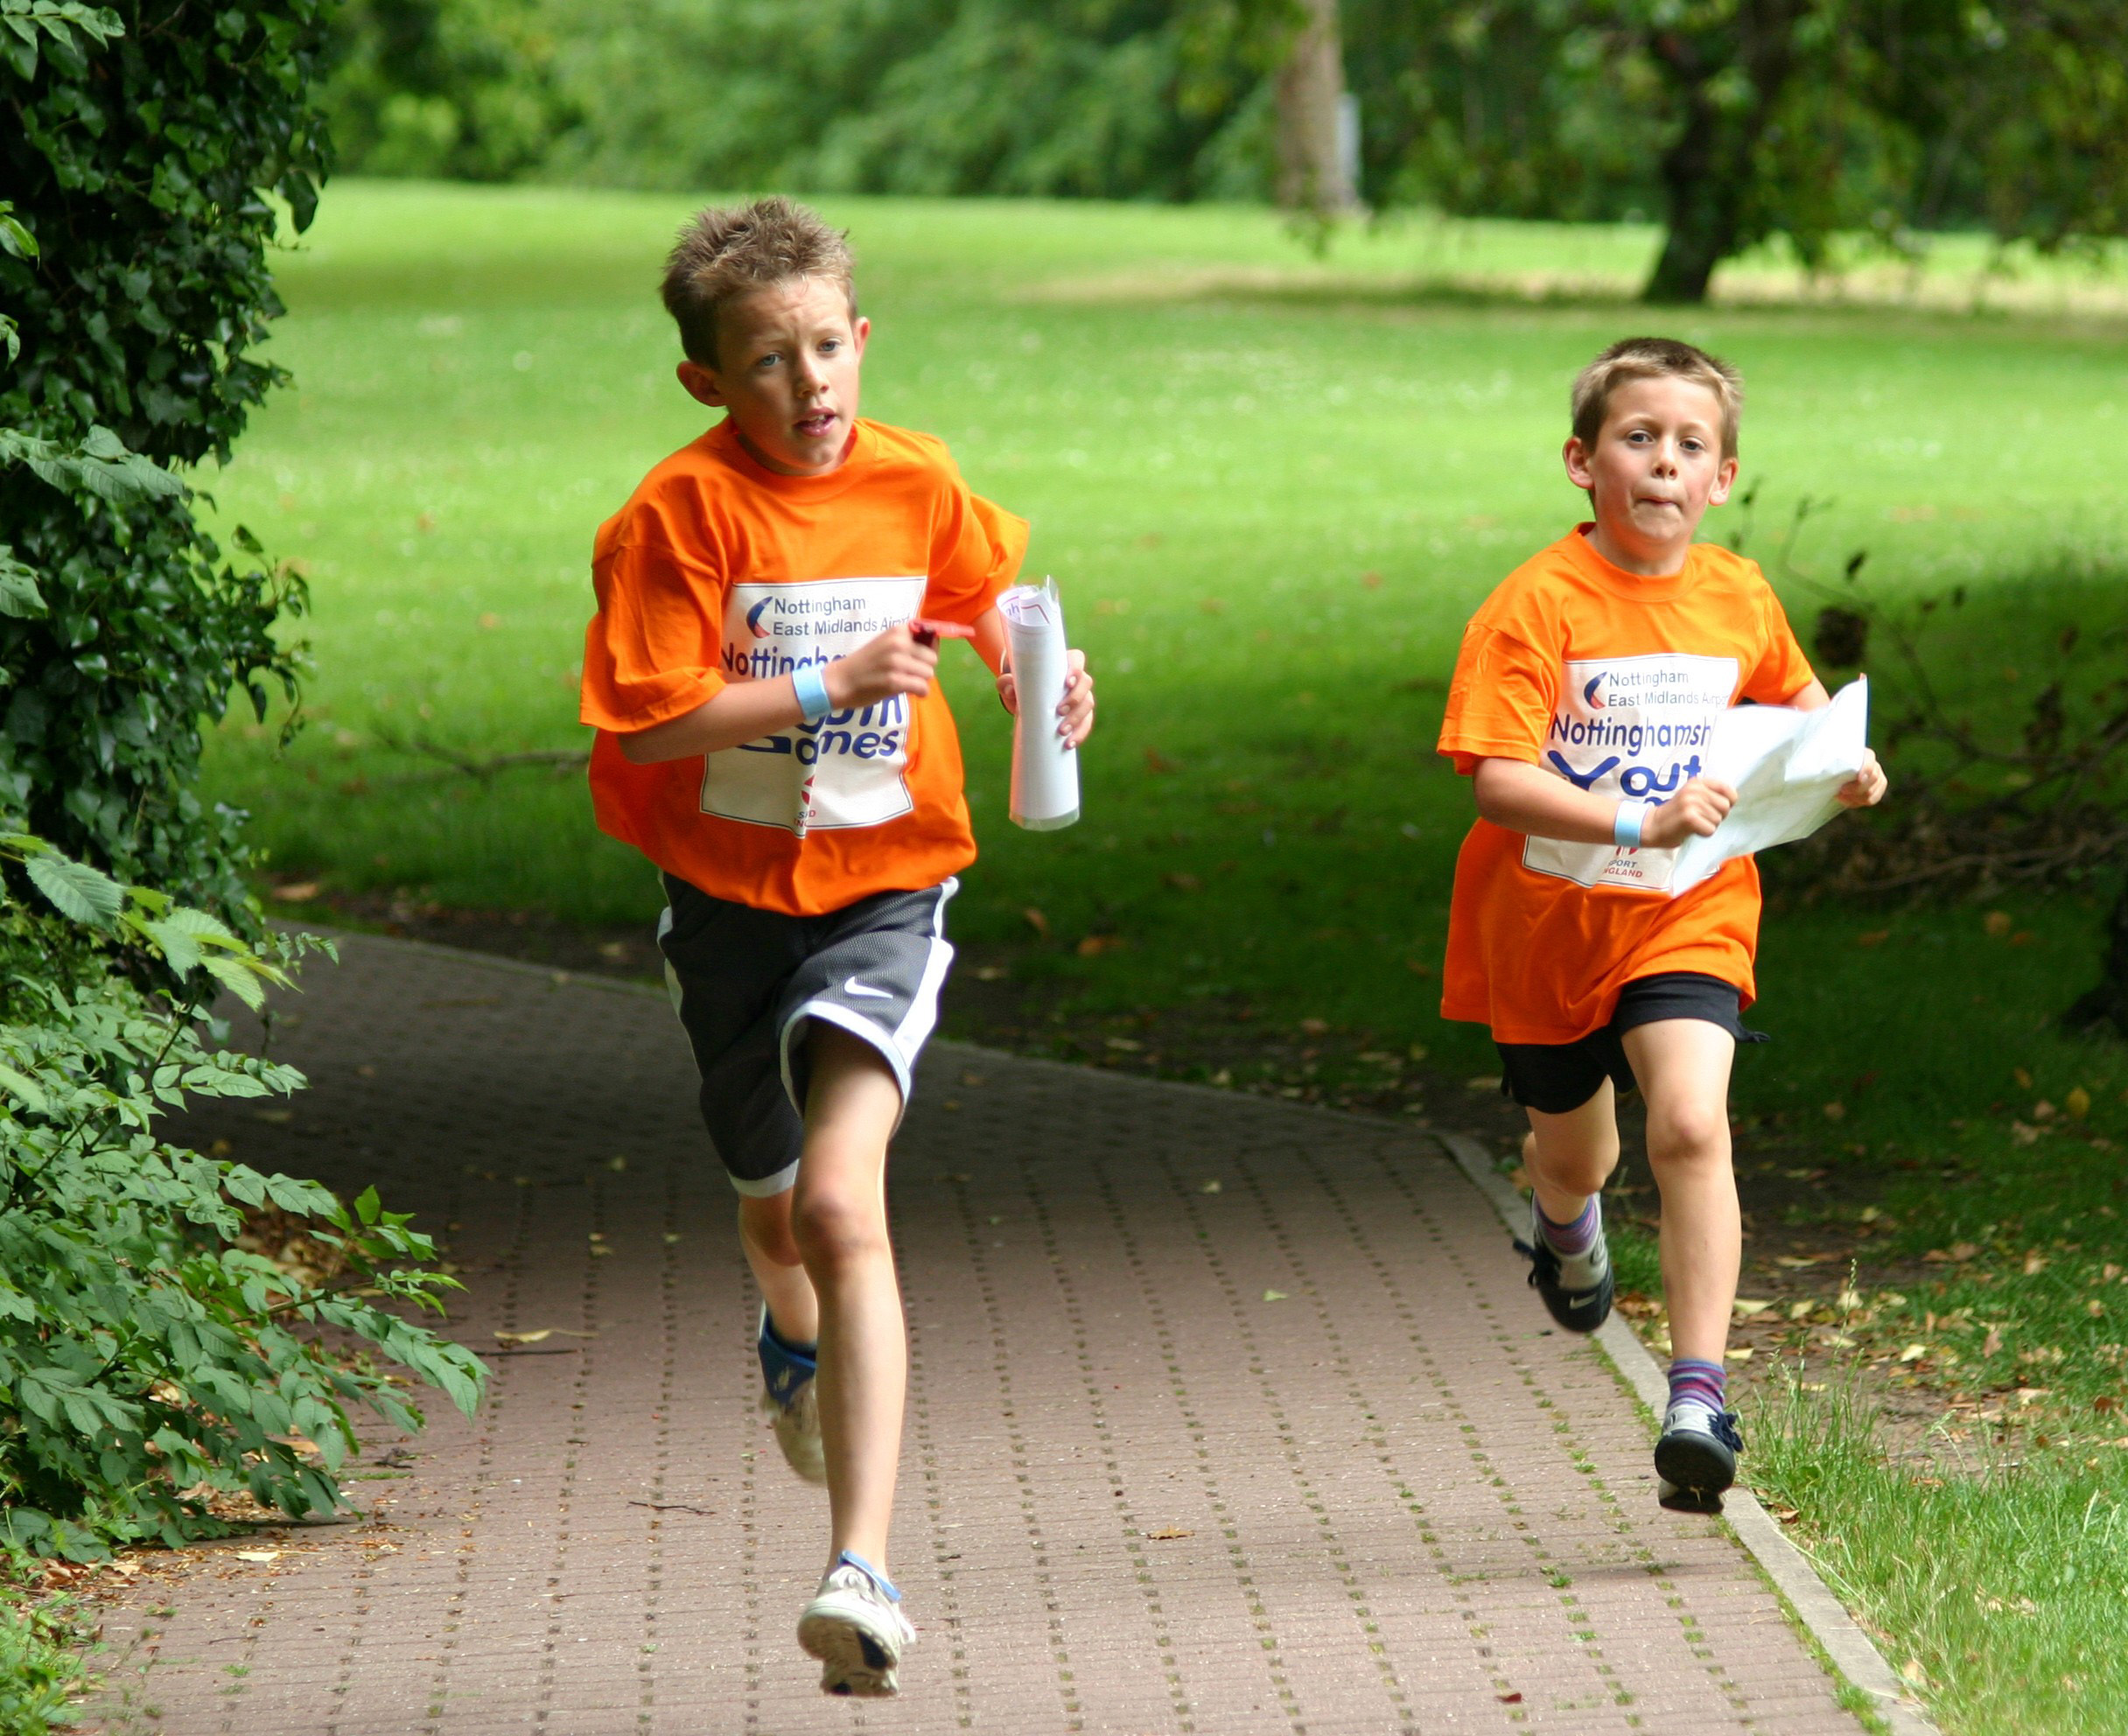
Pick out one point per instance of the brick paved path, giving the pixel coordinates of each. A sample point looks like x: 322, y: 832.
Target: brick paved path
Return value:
x: 1139, y: 1495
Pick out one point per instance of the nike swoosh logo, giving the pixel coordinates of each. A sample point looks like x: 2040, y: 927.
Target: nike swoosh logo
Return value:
x: 854, y: 987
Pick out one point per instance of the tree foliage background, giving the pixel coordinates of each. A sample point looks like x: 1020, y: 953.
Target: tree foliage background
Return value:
x: 1730, y: 121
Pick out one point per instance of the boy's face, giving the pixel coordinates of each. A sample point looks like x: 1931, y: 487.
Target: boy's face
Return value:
x: 787, y: 359
x: 1655, y: 468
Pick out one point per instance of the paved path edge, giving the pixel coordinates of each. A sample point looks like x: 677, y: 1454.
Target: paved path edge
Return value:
x: 1823, y: 1616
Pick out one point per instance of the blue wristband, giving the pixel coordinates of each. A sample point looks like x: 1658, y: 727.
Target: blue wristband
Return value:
x: 812, y: 689
x: 1626, y: 828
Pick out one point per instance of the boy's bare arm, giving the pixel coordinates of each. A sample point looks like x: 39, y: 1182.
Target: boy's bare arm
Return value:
x: 1526, y: 798
x: 895, y: 662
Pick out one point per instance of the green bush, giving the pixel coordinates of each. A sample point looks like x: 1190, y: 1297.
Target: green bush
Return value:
x: 147, y: 1361
x: 141, y: 148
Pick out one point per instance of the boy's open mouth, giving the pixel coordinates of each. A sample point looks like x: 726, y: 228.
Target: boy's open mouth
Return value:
x: 812, y: 427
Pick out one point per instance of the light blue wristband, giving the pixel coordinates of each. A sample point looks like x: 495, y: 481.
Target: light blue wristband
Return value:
x: 812, y: 689
x: 1626, y: 828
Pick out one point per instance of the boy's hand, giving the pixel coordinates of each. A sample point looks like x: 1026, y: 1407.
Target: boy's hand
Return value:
x: 1075, y: 714
x: 896, y: 662
x: 1867, y: 788
x: 1695, y: 811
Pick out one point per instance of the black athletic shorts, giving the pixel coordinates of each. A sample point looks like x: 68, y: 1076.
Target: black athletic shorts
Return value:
x: 1557, y: 1077
x: 748, y: 984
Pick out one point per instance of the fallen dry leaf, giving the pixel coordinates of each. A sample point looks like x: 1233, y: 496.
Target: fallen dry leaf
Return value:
x: 1992, y: 1342
x: 256, y: 1554
x: 524, y: 1337
x: 1797, y: 1262
x: 1913, y: 1353
x: 300, y: 892
x: 1744, y: 1307
x: 1209, y: 1188
x: 2077, y: 1102
x: 1094, y: 945
x: 1036, y: 920
x: 1274, y: 1296
x: 1168, y: 1534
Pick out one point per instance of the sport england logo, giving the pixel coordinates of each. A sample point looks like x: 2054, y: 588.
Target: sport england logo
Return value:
x: 846, y: 769
x: 1630, y: 728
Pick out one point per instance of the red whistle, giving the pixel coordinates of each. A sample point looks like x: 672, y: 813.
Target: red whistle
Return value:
x: 928, y: 633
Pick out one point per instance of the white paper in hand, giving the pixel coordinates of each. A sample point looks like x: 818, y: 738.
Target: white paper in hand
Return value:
x: 1045, y: 772
x: 1786, y: 766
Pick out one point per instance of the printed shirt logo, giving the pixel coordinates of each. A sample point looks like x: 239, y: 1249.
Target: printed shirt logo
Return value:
x: 1629, y: 727
x: 847, y: 769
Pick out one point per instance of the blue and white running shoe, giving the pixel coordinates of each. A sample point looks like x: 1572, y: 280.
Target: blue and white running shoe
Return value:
x: 787, y: 1379
x: 855, y: 1626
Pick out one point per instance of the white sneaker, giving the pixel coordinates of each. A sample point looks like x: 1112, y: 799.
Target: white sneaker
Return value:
x: 1695, y: 1457
x: 793, y: 1406
x: 855, y: 1626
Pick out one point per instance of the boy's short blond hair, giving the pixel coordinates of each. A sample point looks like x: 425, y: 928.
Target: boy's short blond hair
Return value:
x: 1655, y: 359
x: 728, y: 252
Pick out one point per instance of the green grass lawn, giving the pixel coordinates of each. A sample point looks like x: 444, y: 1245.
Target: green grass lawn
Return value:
x: 1271, y: 490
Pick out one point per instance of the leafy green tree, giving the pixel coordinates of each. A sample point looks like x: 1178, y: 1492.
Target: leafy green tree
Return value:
x: 1743, y: 120
x: 141, y: 145
x: 470, y: 89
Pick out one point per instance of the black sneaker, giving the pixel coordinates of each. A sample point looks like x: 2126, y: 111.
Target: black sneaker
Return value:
x: 1576, y: 1287
x: 1695, y: 1457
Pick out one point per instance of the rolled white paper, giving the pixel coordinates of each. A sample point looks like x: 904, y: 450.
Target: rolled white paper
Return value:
x: 1045, y: 772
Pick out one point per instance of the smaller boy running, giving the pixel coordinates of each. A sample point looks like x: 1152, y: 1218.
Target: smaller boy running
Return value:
x: 762, y: 675
x: 1585, y: 687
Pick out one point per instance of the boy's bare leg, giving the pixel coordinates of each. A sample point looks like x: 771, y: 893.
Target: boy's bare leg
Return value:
x: 1684, y: 1066
x: 1569, y: 1156
x: 772, y: 1251
x: 838, y: 1221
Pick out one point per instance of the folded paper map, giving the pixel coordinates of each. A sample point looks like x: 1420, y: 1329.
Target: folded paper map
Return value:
x: 1786, y: 766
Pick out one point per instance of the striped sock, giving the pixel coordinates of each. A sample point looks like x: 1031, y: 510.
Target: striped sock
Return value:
x: 1703, y: 1382
x: 1576, y: 1237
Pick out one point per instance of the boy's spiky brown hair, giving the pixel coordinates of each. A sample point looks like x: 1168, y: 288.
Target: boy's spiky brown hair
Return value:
x: 1653, y: 358
x: 729, y: 251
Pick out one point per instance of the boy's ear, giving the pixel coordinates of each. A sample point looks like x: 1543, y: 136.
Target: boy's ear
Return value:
x: 1725, y: 480
x: 701, y: 385
x: 1576, y: 456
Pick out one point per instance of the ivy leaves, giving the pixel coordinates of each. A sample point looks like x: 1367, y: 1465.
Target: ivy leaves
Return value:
x: 135, y: 238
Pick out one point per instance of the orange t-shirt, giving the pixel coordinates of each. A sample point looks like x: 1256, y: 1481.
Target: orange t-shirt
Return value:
x: 721, y: 570
x: 1612, y: 681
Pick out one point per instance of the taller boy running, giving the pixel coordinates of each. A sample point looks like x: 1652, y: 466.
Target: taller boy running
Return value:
x: 761, y: 672
x: 1586, y: 684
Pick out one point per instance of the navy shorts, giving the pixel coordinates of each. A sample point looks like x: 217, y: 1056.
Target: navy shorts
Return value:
x: 748, y: 984
x: 1557, y: 1077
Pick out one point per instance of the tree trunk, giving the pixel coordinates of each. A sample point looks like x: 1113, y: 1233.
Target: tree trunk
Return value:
x: 1707, y: 172
x: 2107, y: 1003
x: 1310, y: 90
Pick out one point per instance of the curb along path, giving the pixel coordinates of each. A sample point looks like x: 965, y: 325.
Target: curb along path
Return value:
x: 1225, y: 1416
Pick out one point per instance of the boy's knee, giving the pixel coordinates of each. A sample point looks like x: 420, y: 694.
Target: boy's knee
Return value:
x: 834, y: 1228
x: 765, y: 1223
x: 1688, y: 1133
